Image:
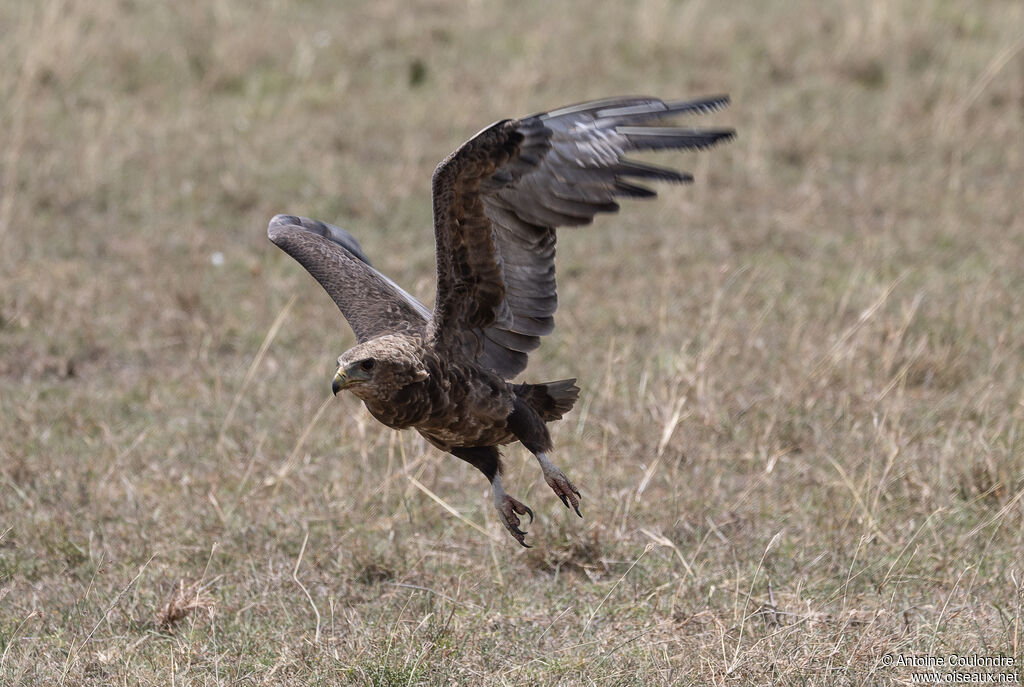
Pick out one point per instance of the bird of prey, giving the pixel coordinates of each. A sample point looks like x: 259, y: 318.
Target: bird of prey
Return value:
x: 497, y: 201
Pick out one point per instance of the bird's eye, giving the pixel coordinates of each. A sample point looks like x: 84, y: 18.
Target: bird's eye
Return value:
x: 366, y: 365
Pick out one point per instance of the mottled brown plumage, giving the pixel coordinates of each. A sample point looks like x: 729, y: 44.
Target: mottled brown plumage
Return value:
x: 497, y: 202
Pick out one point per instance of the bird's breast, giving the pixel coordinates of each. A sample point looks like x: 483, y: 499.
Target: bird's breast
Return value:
x: 464, y: 406
x: 406, y: 407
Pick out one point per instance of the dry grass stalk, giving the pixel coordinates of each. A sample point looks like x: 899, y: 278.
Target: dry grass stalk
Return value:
x: 186, y: 598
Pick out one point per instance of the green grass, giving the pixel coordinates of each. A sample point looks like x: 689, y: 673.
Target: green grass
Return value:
x: 801, y: 434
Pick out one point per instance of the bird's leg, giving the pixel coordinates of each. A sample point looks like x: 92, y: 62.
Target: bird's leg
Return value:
x: 528, y: 427
x: 559, y: 483
x: 486, y: 459
x: 508, y: 507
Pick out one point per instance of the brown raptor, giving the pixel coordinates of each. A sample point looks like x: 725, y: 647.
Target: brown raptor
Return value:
x: 497, y: 202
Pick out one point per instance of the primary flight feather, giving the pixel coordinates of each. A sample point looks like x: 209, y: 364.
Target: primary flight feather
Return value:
x: 497, y: 201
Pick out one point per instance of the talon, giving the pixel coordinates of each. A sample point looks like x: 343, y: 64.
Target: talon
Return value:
x: 560, y: 484
x: 522, y: 509
x: 518, y: 535
x: 507, y: 508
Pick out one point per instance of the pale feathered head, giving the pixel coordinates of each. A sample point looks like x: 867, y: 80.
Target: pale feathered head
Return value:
x: 379, y: 367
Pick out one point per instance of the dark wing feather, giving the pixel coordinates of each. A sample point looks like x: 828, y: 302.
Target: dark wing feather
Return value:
x: 373, y: 304
x: 328, y: 231
x: 500, y: 196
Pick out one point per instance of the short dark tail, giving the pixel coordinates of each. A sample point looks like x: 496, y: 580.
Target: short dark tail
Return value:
x: 551, y: 400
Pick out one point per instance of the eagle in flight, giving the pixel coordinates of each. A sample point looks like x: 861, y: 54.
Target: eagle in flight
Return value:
x: 497, y: 201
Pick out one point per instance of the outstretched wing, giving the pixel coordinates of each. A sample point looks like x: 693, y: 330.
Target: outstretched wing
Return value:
x: 372, y: 303
x: 499, y: 198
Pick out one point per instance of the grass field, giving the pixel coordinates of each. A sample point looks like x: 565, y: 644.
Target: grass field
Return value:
x: 801, y: 435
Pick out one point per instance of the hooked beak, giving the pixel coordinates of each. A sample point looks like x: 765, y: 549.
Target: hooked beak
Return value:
x: 349, y: 376
x: 341, y: 381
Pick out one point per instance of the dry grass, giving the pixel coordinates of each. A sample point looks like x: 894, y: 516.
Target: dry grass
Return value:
x: 185, y: 600
x: 801, y: 436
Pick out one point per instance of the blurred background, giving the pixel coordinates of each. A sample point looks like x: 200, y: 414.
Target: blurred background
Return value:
x: 800, y: 435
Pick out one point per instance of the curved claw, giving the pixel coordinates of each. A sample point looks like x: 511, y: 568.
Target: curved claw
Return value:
x: 518, y: 534
x: 560, y: 484
x: 508, y: 507
x: 565, y: 490
x: 520, y: 537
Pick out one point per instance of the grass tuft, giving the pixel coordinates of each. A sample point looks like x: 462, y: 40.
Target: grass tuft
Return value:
x: 186, y: 599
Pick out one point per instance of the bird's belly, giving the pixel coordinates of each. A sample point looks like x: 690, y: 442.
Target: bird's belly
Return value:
x: 476, y: 417
x: 447, y: 438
